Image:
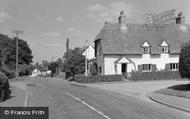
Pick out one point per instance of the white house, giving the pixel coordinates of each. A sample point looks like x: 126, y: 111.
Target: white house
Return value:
x: 124, y: 47
x: 89, y: 53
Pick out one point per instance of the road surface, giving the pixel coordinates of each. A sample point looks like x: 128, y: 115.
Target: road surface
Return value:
x: 67, y: 101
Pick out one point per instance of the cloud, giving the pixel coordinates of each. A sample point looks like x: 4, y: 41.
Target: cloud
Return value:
x: 52, y: 35
x: 4, y: 17
x: 109, y: 12
x: 54, y: 45
x: 76, y: 32
x: 59, y: 19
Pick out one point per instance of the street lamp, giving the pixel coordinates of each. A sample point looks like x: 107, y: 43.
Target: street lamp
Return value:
x: 17, y: 32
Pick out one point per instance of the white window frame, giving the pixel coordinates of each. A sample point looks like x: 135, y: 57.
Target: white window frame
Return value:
x: 174, y: 66
x: 146, y: 67
x: 164, y: 49
x: 146, y: 50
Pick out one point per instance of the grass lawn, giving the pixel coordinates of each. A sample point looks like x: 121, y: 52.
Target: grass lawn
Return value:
x: 182, y: 90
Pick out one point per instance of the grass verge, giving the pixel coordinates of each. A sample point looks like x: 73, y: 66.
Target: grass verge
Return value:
x: 182, y: 90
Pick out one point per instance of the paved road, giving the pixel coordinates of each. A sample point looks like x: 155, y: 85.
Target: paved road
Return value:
x: 72, y: 102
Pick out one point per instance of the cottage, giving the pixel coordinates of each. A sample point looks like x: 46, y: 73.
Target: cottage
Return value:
x: 124, y: 47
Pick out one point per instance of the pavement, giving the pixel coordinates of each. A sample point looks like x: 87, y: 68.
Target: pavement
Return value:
x: 18, y: 95
x: 145, y: 91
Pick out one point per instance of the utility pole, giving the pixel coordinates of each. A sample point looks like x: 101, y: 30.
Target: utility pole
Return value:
x: 17, y: 32
x: 86, y: 60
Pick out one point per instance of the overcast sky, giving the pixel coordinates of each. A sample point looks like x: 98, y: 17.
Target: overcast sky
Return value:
x: 47, y: 23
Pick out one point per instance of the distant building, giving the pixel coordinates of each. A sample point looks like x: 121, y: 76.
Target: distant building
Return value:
x: 124, y: 47
x: 89, y: 52
x: 41, y: 72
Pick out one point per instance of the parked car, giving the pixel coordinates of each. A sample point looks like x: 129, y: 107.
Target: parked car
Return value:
x: 4, y: 87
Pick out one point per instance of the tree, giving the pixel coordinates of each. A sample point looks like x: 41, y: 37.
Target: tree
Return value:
x: 94, y: 69
x: 184, y: 61
x: 74, y: 62
x: 53, y: 66
x: 8, y: 53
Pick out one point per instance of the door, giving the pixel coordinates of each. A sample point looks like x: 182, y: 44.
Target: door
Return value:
x: 123, y: 68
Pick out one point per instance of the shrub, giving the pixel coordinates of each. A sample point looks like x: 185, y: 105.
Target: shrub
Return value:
x: 96, y: 79
x: 4, y: 87
x: 94, y: 69
x: 184, y: 61
x: 159, y: 75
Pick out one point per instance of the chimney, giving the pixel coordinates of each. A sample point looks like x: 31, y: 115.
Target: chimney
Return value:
x: 122, y: 21
x: 122, y: 17
x: 180, y: 19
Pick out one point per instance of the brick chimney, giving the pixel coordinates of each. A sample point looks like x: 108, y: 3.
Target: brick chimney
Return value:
x: 122, y: 21
x: 122, y: 17
x: 180, y: 19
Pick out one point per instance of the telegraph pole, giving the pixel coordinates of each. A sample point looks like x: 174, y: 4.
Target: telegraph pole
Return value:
x: 17, y: 32
x: 86, y: 60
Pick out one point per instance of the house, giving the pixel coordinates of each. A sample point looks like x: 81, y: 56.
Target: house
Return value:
x: 125, y: 47
x: 89, y: 53
x: 40, y: 72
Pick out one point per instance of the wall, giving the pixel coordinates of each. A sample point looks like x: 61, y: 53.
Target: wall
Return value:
x: 159, y: 60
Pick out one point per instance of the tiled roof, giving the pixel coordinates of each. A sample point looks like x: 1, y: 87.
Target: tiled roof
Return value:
x: 117, y: 41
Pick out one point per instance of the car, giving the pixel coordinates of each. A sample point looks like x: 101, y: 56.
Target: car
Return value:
x: 4, y: 87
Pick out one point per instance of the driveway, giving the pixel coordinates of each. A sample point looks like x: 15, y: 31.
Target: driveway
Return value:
x: 137, y: 89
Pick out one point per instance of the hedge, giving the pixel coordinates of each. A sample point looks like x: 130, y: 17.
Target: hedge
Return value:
x: 96, y: 79
x: 4, y: 87
x: 158, y: 75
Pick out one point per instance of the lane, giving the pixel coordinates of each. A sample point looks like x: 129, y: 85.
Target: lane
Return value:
x: 61, y: 106
x: 115, y: 106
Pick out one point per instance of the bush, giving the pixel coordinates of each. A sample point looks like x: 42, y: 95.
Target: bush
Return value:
x: 4, y: 87
x: 96, y: 79
x: 184, y: 61
x: 94, y: 69
x: 7, y: 72
x: 159, y: 75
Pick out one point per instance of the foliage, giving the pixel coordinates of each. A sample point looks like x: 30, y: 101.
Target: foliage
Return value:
x: 184, y: 61
x: 8, y: 53
x: 94, y: 69
x: 96, y: 79
x: 74, y: 62
x: 157, y: 75
x: 4, y: 87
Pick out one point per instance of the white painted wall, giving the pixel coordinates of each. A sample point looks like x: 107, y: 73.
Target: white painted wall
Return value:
x: 89, y: 53
x: 160, y: 61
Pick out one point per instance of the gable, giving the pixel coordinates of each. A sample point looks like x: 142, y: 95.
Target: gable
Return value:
x: 123, y: 60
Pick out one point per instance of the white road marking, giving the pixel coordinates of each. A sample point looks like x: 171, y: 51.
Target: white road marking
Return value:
x: 26, y: 98
x: 91, y: 107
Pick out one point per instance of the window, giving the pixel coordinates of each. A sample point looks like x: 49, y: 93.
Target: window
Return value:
x: 116, y: 68
x: 146, y: 67
x: 174, y: 66
x: 146, y: 47
x: 100, y: 70
x: 146, y: 50
x: 164, y: 49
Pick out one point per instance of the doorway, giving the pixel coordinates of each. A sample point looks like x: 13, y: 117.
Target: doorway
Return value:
x: 124, y: 68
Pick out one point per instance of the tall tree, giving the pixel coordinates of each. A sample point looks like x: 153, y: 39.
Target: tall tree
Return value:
x: 8, y: 52
x: 74, y: 62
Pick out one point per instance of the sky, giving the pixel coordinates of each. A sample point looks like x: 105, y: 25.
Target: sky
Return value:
x: 48, y: 23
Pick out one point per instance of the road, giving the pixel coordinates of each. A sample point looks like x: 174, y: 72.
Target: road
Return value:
x: 67, y: 101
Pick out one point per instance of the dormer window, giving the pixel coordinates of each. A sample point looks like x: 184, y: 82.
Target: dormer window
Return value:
x: 146, y: 48
x: 164, y: 47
